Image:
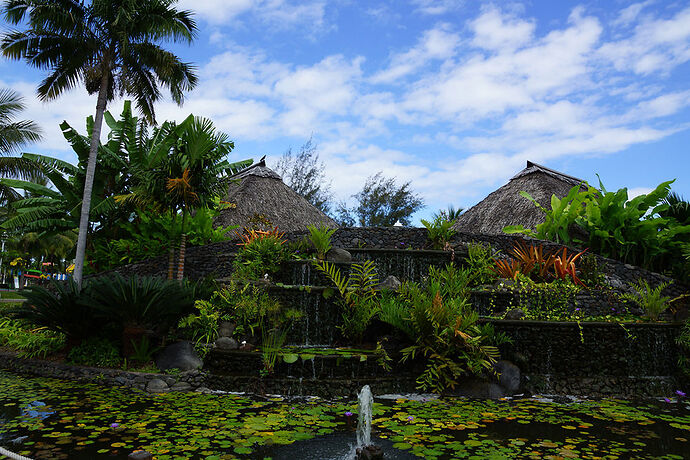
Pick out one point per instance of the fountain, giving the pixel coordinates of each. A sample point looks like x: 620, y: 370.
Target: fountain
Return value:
x: 365, y: 450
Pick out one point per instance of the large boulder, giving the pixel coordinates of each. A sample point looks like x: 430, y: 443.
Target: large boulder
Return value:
x: 391, y: 283
x: 157, y: 386
x: 227, y: 343
x: 508, y: 376
x: 337, y: 255
x: 472, y: 387
x: 180, y: 355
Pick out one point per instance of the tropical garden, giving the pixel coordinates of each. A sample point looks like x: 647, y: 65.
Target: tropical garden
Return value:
x: 435, y: 313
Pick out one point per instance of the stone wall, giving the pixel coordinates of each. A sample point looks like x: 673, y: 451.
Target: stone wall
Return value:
x: 155, y: 383
x: 595, y: 359
x: 215, y: 259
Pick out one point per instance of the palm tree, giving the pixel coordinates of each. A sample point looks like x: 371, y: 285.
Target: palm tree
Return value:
x: 182, y: 167
x: 109, y: 45
x: 13, y: 135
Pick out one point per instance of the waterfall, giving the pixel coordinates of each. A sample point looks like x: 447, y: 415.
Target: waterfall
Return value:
x: 366, y: 402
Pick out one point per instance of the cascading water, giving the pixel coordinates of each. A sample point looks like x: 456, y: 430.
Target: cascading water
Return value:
x: 366, y: 401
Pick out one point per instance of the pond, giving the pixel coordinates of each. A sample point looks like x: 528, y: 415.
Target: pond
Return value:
x: 48, y: 418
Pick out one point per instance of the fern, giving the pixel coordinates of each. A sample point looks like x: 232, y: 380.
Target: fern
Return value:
x: 357, y: 295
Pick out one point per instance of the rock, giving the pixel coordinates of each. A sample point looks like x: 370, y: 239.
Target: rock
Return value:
x: 203, y: 390
x: 180, y: 355
x: 369, y: 453
x: 509, y: 375
x: 140, y: 455
x: 157, y: 386
x: 226, y: 329
x: 338, y: 255
x: 247, y: 347
x: 515, y: 313
x: 391, y: 283
x: 181, y: 386
x: 227, y: 343
x: 478, y: 388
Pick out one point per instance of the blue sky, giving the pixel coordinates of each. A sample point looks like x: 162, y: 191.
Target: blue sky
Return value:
x: 451, y: 95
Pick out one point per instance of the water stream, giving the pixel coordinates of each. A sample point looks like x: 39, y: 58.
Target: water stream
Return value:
x: 366, y: 402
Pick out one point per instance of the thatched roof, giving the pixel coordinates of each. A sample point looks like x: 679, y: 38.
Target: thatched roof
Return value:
x: 259, y: 193
x: 506, y: 206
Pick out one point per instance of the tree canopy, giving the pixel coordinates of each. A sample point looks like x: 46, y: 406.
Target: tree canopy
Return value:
x: 304, y: 173
x: 381, y: 203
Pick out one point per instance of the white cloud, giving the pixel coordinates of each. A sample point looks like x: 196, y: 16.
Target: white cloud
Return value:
x: 483, y: 86
x: 498, y: 32
x: 438, y: 43
x: 311, y: 93
x: 657, y: 45
x: 279, y: 13
x: 629, y: 14
x: 436, y: 7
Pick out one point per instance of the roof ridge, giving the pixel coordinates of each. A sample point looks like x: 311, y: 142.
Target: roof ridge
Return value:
x: 533, y: 167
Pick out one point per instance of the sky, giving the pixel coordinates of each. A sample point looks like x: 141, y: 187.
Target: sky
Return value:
x: 453, y: 96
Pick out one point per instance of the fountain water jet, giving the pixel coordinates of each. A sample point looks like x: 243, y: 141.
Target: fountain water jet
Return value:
x: 365, y: 450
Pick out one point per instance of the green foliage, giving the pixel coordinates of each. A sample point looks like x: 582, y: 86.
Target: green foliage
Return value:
x: 95, y: 351
x: 304, y: 173
x: 451, y: 213
x: 140, y: 301
x: 29, y: 342
x: 244, y: 305
x: 641, y: 231
x: 202, y: 325
x: 443, y: 328
x: 492, y: 337
x: 272, y: 340
x: 381, y: 203
x: 648, y: 298
x: 559, y: 219
x: 320, y: 238
x: 683, y: 341
x: 357, y: 295
x: 553, y: 301
x: 150, y: 234
x: 396, y: 313
x: 632, y: 231
x: 590, y: 272
x: 440, y: 231
x: 143, y: 351
x: 479, y: 263
x: 63, y: 308
x: 261, y: 254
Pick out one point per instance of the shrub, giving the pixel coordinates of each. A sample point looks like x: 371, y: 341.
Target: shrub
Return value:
x: 95, y: 351
x: 261, y: 254
x: 479, y: 263
x: 443, y: 328
x: 64, y: 309
x: 440, y: 231
x: 537, y: 264
x: 141, y: 301
x: 648, y: 298
x: 29, y: 342
x: 320, y: 237
x: 357, y: 296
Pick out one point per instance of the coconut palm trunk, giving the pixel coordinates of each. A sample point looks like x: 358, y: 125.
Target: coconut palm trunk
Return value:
x: 88, y: 181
